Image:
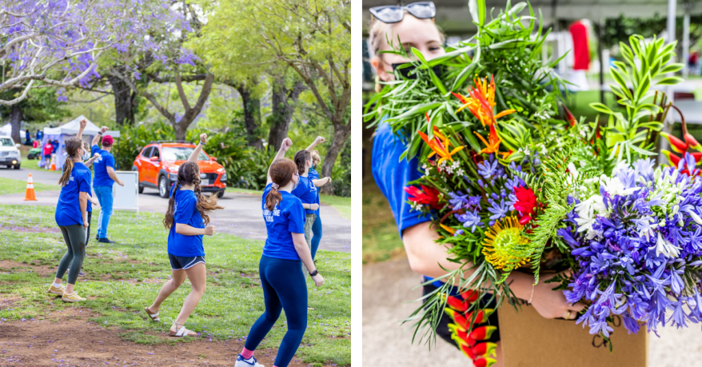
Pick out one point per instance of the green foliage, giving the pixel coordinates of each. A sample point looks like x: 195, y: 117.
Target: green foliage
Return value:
x: 634, y: 135
x: 41, y: 106
x: 133, y: 139
x: 504, y: 48
x: 341, y: 176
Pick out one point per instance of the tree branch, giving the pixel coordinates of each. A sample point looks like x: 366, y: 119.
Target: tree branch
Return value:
x: 181, y: 92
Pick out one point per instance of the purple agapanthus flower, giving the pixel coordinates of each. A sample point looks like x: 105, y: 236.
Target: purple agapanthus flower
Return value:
x: 642, y: 263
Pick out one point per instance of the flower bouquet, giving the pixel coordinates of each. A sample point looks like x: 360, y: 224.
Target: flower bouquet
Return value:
x: 515, y: 183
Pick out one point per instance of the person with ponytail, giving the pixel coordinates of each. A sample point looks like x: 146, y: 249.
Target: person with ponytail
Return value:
x: 72, y: 218
x: 188, y: 220
x: 306, y: 190
x: 282, y: 282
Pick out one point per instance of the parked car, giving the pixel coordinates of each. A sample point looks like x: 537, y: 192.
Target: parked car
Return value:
x: 157, y: 167
x: 9, y: 153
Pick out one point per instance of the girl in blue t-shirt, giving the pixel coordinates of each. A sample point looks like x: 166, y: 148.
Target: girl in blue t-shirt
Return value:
x: 72, y: 218
x: 187, y: 221
x: 306, y: 190
x: 283, y: 283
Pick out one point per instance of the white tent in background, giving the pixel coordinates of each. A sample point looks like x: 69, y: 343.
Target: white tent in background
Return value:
x: 67, y: 131
x: 7, y: 131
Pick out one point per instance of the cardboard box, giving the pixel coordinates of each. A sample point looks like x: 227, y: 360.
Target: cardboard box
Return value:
x: 529, y: 340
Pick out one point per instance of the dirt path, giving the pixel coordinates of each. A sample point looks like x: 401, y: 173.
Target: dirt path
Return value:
x: 388, y: 289
x: 74, y: 341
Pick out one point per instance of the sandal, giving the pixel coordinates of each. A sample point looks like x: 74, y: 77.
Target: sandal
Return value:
x: 152, y: 316
x: 182, y: 332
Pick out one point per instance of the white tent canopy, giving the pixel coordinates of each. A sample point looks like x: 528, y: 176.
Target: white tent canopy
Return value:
x: 72, y: 127
x: 7, y: 131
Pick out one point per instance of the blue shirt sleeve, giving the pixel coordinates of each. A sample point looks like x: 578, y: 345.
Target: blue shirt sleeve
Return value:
x: 393, y: 174
x: 296, y: 218
x: 186, y: 209
x: 95, y: 149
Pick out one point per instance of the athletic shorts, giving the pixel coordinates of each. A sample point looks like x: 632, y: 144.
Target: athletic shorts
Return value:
x: 182, y: 263
x: 443, y: 331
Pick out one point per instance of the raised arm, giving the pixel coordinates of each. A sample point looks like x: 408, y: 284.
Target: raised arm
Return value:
x: 83, y: 124
x: 321, y: 182
x: 284, y: 146
x: 98, y: 136
x: 319, y: 140
x: 198, y: 149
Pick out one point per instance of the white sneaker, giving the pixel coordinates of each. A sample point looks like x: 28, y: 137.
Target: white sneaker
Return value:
x: 251, y: 362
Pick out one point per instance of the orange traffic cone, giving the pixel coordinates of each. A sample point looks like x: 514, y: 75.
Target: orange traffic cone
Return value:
x: 29, y: 195
x: 53, y: 162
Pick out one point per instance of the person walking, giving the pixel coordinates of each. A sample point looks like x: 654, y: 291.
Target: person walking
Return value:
x: 187, y: 220
x: 105, y: 177
x: 72, y: 218
x: 282, y: 282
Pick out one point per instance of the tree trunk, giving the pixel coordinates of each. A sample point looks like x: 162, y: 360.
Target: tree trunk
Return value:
x: 181, y: 129
x: 252, y: 115
x: 283, y: 107
x: 16, y: 121
x: 342, y: 131
x: 124, y: 100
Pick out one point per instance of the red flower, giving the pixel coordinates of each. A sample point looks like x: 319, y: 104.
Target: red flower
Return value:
x: 526, y: 202
x: 426, y: 196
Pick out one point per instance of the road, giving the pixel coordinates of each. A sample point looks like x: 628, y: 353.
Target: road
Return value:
x: 241, y: 215
x: 387, y: 298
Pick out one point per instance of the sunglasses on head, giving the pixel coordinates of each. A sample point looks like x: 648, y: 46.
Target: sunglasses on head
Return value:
x: 395, y: 13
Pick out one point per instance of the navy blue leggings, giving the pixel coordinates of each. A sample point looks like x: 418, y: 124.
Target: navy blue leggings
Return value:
x: 284, y: 288
x: 317, y: 235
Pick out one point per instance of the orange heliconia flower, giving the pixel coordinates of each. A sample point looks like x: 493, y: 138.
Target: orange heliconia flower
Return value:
x: 482, y: 101
x: 439, y: 145
x: 493, y: 143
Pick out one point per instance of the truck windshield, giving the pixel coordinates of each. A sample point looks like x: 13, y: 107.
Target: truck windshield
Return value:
x: 6, y: 142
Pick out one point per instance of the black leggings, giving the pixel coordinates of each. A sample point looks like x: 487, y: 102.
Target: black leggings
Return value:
x: 75, y: 241
x: 443, y: 331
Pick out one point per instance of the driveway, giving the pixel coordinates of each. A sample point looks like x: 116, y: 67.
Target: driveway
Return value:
x: 241, y: 215
x: 387, y: 298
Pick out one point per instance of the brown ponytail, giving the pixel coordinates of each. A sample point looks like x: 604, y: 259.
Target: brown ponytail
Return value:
x: 281, y: 172
x: 189, y: 174
x: 72, y: 146
x: 301, y: 158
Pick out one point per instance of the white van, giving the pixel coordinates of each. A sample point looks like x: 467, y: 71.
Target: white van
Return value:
x: 9, y: 153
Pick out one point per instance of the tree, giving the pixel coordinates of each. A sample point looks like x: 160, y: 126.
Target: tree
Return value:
x: 41, y: 105
x: 59, y: 43
x: 312, y: 37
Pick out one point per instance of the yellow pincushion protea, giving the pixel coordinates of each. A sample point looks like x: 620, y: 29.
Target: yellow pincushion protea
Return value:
x: 503, y: 241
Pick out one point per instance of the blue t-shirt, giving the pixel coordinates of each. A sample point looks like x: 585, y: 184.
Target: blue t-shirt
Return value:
x: 307, y: 192
x: 185, y: 212
x: 68, y: 207
x: 106, y: 160
x: 392, y: 176
x: 314, y: 175
x: 286, y: 218
x: 90, y: 193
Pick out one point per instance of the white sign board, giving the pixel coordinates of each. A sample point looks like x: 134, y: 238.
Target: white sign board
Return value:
x: 126, y: 197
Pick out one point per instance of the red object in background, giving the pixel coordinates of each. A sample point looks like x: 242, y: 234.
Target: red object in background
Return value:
x: 35, y: 144
x: 48, y: 149
x: 157, y: 166
x: 581, y: 46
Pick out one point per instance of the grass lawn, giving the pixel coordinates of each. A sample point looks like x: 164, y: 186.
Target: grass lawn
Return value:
x: 341, y: 204
x: 125, y: 277
x: 10, y: 186
x: 34, y: 164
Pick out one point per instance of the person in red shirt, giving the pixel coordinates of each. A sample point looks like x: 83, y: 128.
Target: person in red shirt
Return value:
x: 48, y: 149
